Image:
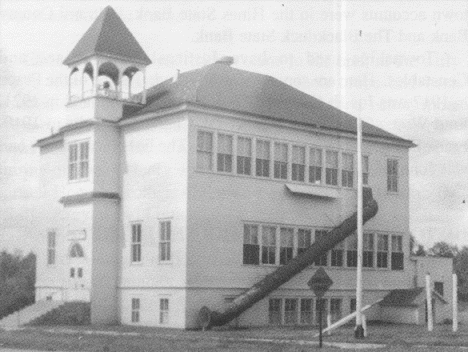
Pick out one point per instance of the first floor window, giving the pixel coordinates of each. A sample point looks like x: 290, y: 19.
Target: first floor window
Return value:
x: 164, y: 311
x: 397, y: 252
x: 135, y: 310
x: 439, y: 287
x: 382, y: 251
x: 281, y: 161
x: 244, y: 155
x: 335, y: 309
x: 321, y: 235
x: 351, y: 252
x: 315, y: 166
x: 80, y: 272
x: 165, y: 241
x: 136, y: 243
x: 368, y: 250
x: 307, y: 311
x: 204, y: 151
x: 72, y: 272
x: 304, y: 240
x: 298, y: 163
x: 392, y: 175
x: 224, y: 152
x: 51, y: 247
x: 274, y: 311
x: 290, y: 311
x: 251, y: 245
x: 365, y: 170
x: 78, y: 161
x: 286, y: 245
x: 331, y: 170
x: 268, y: 245
x: 337, y: 254
x: 347, y: 170
x: 321, y: 304
x: 352, y: 305
x: 263, y: 158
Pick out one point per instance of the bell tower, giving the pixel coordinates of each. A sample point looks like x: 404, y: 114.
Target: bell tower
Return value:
x: 107, y: 70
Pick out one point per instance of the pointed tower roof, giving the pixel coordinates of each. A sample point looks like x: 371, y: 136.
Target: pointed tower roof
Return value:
x: 108, y: 36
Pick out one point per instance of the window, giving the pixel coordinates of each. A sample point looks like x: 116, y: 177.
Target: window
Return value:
x: 290, y: 311
x: 392, y: 175
x: 51, y: 247
x: 78, y: 161
x: 351, y: 253
x: 204, y: 151
x: 244, y: 156
x: 352, y: 305
x: 335, y: 309
x: 397, y: 252
x: 315, y: 166
x: 224, y: 153
x: 306, y: 311
x: 331, y: 171
x: 368, y: 250
x: 76, y: 251
x: 263, y: 158
x: 286, y: 245
x: 298, y: 163
x: 72, y: 272
x: 321, y: 303
x: 136, y: 243
x: 281, y: 161
x: 382, y: 251
x: 347, y: 170
x: 304, y: 240
x: 80, y: 272
x: 164, y: 311
x: 321, y: 235
x: 268, y: 245
x: 165, y: 241
x: 274, y: 311
x: 337, y: 255
x: 439, y: 287
x: 135, y: 310
x: 365, y: 170
x: 251, y: 245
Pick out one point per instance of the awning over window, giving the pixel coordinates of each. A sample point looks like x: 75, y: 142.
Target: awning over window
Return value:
x: 322, y: 192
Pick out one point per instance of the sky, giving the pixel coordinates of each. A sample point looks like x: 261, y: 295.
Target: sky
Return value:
x: 400, y: 65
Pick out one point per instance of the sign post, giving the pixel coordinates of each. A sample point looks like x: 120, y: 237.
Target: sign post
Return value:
x: 320, y: 282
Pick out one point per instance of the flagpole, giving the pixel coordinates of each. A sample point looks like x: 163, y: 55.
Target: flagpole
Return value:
x: 359, y: 332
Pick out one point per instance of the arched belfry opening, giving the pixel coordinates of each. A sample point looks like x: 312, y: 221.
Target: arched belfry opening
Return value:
x: 108, y: 67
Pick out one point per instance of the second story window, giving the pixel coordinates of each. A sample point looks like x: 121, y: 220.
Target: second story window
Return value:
x: 368, y: 250
x: 244, y: 156
x: 51, y: 247
x: 251, y: 245
x: 392, y: 175
x: 298, y: 163
x: 263, y: 158
x: 315, y: 166
x: 78, y: 161
x: 331, y: 171
x: 268, y: 245
x: 165, y: 241
x: 321, y: 235
x: 204, y: 151
x: 397, y: 252
x: 136, y: 243
x: 281, y: 161
x: 351, y: 252
x: 286, y: 245
x: 337, y: 255
x: 224, y: 153
x: 365, y: 170
x: 382, y: 251
x: 347, y: 170
x: 304, y: 240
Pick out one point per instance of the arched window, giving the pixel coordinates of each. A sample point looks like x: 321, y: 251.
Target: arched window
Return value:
x: 75, y: 85
x: 76, y: 251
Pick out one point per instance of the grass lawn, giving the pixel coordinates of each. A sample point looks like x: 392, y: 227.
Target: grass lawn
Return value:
x: 126, y: 338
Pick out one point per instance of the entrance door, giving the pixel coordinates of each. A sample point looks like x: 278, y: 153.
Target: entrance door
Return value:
x: 77, y: 282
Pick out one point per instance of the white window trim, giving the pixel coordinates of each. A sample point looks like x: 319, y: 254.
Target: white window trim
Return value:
x: 398, y: 175
x: 78, y: 162
x: 132, y: 297
x: 160, y: 221
x: 132, y: 223
x: 169, y: 299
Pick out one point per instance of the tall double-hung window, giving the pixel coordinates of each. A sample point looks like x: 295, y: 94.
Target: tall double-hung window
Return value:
x: 251, y: 245
x: 263, y: 158
x: 368, y: 250
x: 321, y: 235
x: 268, y: 245
x: 347, y: 170
x: 136, y: 243
x: 281, y: 161
x: 51, y: 244
x: 298, y: 163
x: 337, y: 255
x: 331, y: 170
x: 244, y: 156
x: 286, y: 244
x: 397, y: 252
x: 224, y: 153
x: 304, y: 240
x: 365, y: 170
x: 392, y: 175
x: 165, y: 241
x: 78, y: 161
x: 205, y: 151
x: 382, y: 251
x: 351, y: 251
x: 315, y: 166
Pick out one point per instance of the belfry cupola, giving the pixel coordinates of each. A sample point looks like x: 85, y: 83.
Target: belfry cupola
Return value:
x: 107, y: 63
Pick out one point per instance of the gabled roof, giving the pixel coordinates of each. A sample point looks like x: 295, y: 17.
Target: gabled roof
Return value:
x: 407, y: 297
x: 108, y: 36
x: 221, y: 86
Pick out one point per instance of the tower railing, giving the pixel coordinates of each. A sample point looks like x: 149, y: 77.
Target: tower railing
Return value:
x: 109, y: 93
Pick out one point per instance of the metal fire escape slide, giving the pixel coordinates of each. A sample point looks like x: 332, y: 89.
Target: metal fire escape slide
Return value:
x: 283, y: 274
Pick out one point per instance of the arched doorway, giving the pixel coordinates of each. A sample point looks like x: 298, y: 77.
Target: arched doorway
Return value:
x: 78, y: 275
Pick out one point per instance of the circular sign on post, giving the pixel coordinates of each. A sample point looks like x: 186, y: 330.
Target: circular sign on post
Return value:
x: 320, y: 282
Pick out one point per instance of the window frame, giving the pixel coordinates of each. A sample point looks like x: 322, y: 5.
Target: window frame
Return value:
x: 262, y: 166
x: 202, y: 150
x: 164, y: 310
x: 244, y: 162
x: 365, y: 170
x: 332, y: 180
x: 272, y: 313
x: 337, y: 255
x: 165, y: 228
x: 298, y: 167
x: 136, y: 245
x: 280, y: 161
x: 382, y: 251
x: 135, y: 316
x: 347, y: 174
x: 271, y: 249
x: 286, y: 251
x: 247, y: 248
x: 314, y: 169
x: 397, y: 256
x: 324, y: 257
x: 79, y: 160
x: 368, y: 250
x: 224, y: 160
x: 393, y: 175
x: 51, y: 247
